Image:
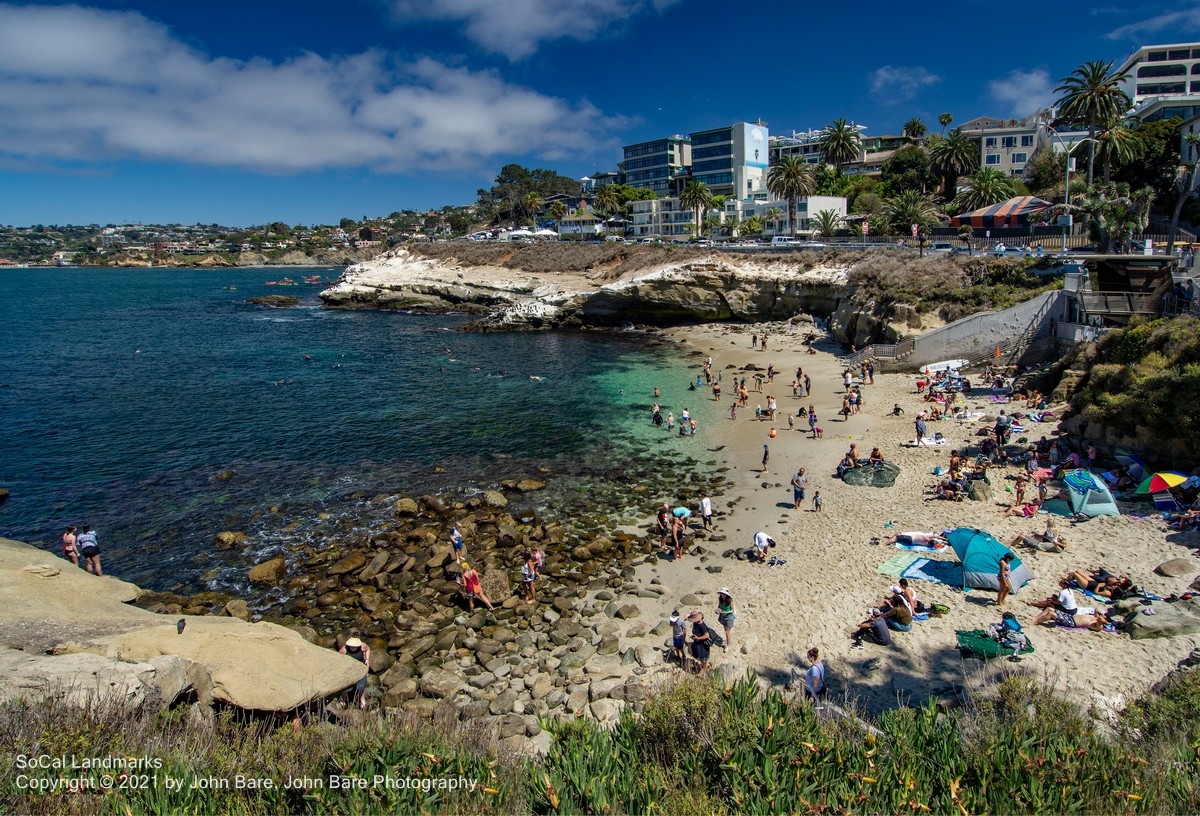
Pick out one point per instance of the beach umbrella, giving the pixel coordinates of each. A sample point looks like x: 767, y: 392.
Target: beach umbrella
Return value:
x: 1162, y: 481
x: 681, y: 512
x: 1137, y: 468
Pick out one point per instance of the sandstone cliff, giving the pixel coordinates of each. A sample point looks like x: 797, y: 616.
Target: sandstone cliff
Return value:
x: 66, y: 631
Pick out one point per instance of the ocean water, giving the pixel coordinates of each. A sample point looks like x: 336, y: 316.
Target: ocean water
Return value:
x: 127, y: 395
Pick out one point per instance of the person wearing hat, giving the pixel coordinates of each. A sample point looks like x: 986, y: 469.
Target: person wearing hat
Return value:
x: 678, y: 636
x: 472, y: 587
x: 701, y: 640
x: 725, y: 613
x: 354, y: 647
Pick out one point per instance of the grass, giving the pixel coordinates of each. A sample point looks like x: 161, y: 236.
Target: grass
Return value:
x: 700, y: 747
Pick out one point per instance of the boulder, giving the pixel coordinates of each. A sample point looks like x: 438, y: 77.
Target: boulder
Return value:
x: 268, y: 573
x: 605, y: 710
x: 530, y: 485
x: 228, y: 539
x: 85, y: 678
x: 647, y: 656
x: 237, y: 608
x: 406, y: 507
x: 440, y: 683
x: 628, y: 611
x: 1176, y: 567
x: 351, y: 563
x: 494, y: 499
x: 1168, y: 620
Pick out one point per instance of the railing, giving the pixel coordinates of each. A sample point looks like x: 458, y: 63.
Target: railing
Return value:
x: 1120, y: 303
x: 882, y: 351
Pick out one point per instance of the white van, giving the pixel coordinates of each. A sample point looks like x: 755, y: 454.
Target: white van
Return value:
x: 784, y: 240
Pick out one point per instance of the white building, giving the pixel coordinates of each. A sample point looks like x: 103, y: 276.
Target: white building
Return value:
x: 665, y: 218
x: 1163, y: 81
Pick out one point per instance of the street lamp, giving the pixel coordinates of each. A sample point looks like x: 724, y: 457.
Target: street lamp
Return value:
x: 1065, y: 219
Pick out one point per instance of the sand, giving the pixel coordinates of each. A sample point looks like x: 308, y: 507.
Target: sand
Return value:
x: 831, y: 579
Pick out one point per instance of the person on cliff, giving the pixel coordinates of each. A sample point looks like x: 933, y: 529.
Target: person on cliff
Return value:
x: 701, y: 641
x: 69, y: 550
x: 456, y: 539
x: 354, y: 647
x: 472, y: 587
x: 528, y: 576
x: 678, y: 636
x: 89, y: 548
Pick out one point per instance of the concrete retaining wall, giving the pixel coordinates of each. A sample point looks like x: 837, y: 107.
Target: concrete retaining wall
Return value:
x: 980, y: 332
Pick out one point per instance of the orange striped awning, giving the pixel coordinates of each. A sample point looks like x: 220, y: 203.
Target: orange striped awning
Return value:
x: 1015, y: 212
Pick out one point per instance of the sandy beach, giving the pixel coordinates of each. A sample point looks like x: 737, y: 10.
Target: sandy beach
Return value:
x: 831, y: 577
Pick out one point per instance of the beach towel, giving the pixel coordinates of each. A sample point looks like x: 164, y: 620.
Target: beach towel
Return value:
x: 921, y: 548
x: 897, y: 564
x: 912, y: 443
x: 997, y: 398
x: 939, y: 572
x: 975, y: 643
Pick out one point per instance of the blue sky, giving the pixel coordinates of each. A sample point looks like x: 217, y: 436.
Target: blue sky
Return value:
x: 248, y: 112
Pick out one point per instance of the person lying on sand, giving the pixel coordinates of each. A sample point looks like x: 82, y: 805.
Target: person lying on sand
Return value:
x: 918, y: 539
x: 1049, y: 541
x: 1103, y: 583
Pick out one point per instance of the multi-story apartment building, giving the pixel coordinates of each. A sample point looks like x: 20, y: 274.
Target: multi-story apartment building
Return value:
x: 652, y: 165
x: 665, y: 218
x: 1163, y: 81
x: 732, y: 160
x: 1006, y: 145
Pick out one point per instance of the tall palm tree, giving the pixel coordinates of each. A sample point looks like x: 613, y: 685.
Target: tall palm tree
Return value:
x: 952, y: 157
x: 772, y: 216
x: 1090, y: 95
x: 696, y: 197
x: 532, y: 204
x: 841, y: 144
x: 791, y: 178
x: 944, y: 120
x: 908, y: 208
x: 558, y: 211
x: 1118, y: 144
x: 826, y: 222
x: 985, y: 187
x: 914, y: 129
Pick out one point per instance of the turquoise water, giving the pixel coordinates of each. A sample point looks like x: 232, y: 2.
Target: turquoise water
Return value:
x: 124, y: 393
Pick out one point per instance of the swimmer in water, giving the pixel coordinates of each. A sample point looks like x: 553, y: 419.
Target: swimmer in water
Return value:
x: 535, y: 377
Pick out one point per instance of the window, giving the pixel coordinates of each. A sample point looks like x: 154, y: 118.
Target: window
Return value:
x: 1196, y: 53
x: 1156, y: 56
x: 1026, y: 141
x: 1196, y: 87
x: 1162, y: 88
x: 990, y: 141
x: 1178, y: 53
x: 1196, y: 67
x: 1008, y: 141
x: 1020, y: 158
x: 1161, y: 71
x: 992, y: 158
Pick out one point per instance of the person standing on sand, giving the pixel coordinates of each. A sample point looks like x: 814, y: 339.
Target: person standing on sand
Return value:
x: 664, y: 524
x: 725, y: 614
x: 716, y: 389
x: 799, y: 484
x: 678, y: 528
x: 69, y: 550
x: 678, y: 637
x: 701, y: 640
x: 89, y: 548
x: 814, y: 678
x: 706, y: 513
x: 766, y: 457
x: 921, y: 429
x: 1004, y: 579
x: 753, y: 340
x: 818, y: 502
x: 763, y: 345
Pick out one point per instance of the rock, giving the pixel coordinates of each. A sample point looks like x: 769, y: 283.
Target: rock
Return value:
x: 440, y: 683
x: 406, y: 507
x: 274, y: 301
x: 1168, y: 620
x: 237, y: 608
x: 604, y: 595
x: 401, y: 692
x: 530, y: 485
x: 661, y: 628
x: 268, y: 573
x: 628, y: 611
x: 494, y: 499
x: 541, y: 687
x: 691, y: 599
x: 600, y: 689
x: 647, y: 656
x: 3, y: 494
x: 609, y: 645
x: 351, y: 563
x: 503, y: 704
x: 376, y: 566
x: 1176, y: 567
x: 605, y: 710
x: 550, y: 615
x: 482, y: 680
x: 227, y: 540
x: 84, y: 678
x: 714, y: 568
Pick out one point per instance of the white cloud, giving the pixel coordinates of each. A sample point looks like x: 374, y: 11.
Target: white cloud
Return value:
x: 84, y: 85
x: 1178, y: 23
x: 894, y: 84
x: 1022, y: 93
x: 515, y: 28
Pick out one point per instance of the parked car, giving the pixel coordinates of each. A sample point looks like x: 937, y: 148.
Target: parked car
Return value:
x: 941, y: 246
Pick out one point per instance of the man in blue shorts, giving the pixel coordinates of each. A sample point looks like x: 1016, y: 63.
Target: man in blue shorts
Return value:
x: 799, y: 483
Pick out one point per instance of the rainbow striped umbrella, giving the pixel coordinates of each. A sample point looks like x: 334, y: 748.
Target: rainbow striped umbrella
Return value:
x: 1162, y: 481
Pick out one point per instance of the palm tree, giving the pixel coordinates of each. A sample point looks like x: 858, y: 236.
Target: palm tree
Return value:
x: 1090, y: 95
x: 914, y: 129
x: 908, y: 208
x: 826, y: 222
x: 696, y: 197
x: 608, y: 200
x: 772, y: 216
x: 944, y: 120
x: 558, y: 211
x: 1114, y: 214
x: 1117, y: 143
x: 1185, y: 183
x: 952, y: 157
x: 791, y: 178
x: 532, y: 204
x: 841, y: 144
x: 985, y: 187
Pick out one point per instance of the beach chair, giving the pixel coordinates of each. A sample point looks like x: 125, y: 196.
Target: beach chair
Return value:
x: 1166, y: 503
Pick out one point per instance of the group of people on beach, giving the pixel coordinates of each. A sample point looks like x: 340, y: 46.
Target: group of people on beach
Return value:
x: 82, y: 544
x: 691, y: 645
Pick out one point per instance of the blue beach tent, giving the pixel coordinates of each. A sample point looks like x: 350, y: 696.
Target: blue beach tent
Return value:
x: 1088, y: 494
x: 980, y: 554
